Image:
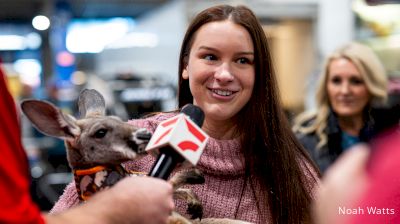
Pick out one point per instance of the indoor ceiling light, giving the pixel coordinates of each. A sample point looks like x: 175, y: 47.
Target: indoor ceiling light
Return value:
x: 41, y: 22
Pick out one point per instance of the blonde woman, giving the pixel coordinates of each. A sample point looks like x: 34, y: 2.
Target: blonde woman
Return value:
x: 351, y: 89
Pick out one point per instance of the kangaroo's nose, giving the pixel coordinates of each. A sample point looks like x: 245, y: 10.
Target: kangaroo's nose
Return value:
x: 143, y: 134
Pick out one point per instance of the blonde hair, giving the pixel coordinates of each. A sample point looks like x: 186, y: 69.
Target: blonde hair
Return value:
x: 373, y: 74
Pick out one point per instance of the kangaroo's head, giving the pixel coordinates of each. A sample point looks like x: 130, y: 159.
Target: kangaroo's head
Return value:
x: 94, y: 139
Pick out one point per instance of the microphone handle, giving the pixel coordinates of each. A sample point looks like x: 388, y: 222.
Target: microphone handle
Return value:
x: 165, y: 163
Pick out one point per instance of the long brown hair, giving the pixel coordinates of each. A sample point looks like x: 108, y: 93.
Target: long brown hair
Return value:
x: 274, y: 158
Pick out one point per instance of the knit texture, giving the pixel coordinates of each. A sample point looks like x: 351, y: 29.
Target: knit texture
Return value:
x: 224, y: 193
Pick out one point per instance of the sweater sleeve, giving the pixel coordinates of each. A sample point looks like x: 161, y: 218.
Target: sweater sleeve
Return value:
x: 150, y: 123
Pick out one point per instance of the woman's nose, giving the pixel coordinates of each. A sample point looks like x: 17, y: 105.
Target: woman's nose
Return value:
x: 224, y: 73
x: 345, y: 88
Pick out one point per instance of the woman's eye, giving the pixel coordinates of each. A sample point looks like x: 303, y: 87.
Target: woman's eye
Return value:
x: 336, y: 80
x: 210, y: 57
x: 243, y: 61
x: 100, y: 133
x: 356, y: 81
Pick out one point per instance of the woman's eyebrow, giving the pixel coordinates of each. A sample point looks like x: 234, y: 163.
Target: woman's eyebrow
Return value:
x: 207, y: 48
x: 246, y: 53
x: 238, y: 53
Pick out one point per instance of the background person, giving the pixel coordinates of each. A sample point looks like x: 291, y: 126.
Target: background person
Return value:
x: 123, y: 203
x: 350, y: 96
x: 255, y: 169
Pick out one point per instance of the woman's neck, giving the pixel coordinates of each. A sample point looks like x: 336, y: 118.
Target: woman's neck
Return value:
x: 351, y: 125
x: 222, y: 130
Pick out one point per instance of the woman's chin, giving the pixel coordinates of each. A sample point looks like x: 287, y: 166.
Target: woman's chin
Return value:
x: 348, y: 113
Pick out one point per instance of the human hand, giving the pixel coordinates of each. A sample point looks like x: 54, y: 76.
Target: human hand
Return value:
x: 140, y: 200
x: 344, y: 182
x: 132, y: 200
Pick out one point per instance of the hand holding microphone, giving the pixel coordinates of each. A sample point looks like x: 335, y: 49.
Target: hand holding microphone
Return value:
x: 178, y: 139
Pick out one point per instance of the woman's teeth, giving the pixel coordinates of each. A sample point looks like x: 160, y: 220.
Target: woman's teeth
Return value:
x: 222, y: 92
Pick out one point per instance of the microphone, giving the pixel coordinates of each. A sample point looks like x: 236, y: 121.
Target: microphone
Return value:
x: 178, y: 139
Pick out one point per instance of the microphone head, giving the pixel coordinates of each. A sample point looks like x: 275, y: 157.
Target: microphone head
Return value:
x: 195, y: 113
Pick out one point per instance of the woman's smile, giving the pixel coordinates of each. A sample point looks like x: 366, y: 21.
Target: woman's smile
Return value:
x: 222, y: 94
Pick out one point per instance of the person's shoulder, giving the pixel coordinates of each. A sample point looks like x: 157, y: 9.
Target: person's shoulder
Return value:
x: 303, y: 121
x: 151, y: 121
x: 159, y: 116
x: 303, y: 128
x: 308, y: 122
x: 155, y: 117
x: 385, y: 117
x: 387, y: 110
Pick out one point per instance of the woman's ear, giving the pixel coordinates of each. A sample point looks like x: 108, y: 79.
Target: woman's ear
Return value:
x: 185, y: 74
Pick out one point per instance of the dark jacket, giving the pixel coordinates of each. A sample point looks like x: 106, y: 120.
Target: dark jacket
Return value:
x: 378, y: 120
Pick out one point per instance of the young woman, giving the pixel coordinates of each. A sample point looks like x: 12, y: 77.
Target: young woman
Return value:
x: 352, y: 87
x: 254, y: 167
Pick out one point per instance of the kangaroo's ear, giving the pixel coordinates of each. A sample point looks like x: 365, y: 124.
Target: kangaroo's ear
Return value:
x: 91, y: 103
x: 49, y: 119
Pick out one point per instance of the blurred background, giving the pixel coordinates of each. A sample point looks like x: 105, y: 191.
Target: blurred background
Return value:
x: 128, y: 50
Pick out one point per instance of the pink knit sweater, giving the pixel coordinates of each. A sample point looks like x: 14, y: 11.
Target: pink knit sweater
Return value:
x: 222, y: 164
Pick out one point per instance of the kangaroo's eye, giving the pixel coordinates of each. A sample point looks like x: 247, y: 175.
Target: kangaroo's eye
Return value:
x: 100, y: 133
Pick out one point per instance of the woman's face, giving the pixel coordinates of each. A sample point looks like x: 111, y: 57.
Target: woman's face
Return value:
x: 346, y: 88
x: 220, y: 69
